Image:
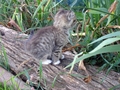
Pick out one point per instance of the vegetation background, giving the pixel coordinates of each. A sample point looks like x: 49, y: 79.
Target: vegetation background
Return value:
x: 100, y: 20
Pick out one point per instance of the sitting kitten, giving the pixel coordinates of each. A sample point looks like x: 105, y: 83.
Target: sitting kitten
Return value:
x: 47, y: 43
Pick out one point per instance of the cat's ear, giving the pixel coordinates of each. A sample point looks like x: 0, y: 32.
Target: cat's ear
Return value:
x: 61, y: 10
x: 58, y: 14
x: 71, y: 15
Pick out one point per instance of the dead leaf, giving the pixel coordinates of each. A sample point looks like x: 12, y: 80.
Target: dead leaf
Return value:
x: 14, y: 24
x: 87, y: 79
x: 110, y: 10
x: 70, y: 48
x: 82, y: 67
x: 113, y: 6
x: 114, y: 26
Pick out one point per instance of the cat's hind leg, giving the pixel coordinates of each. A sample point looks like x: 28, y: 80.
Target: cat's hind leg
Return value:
x: 56, y: 55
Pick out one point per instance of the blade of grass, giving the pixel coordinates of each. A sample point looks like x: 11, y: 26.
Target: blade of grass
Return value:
x: 5, y: 58
x: 53, y: 83
x: 40, y: 70
x: 107, y: 36
x: 104, y: 43
x: 115, y: 87
x: 56, y: 4
x: 112, y: 48
x: 39, y: 7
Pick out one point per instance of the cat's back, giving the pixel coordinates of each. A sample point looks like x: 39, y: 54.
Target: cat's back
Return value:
x: 48, y: 31
x: 44, y: 38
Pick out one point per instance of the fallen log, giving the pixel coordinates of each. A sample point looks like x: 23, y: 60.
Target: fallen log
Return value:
x: 51, y: 77
x: 9, y: 79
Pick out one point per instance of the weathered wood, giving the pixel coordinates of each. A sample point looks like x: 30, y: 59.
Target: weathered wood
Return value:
x: 20, y: 60
x: 9, y: 79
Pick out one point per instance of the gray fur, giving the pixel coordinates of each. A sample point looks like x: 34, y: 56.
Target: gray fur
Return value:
x: 47, y: 43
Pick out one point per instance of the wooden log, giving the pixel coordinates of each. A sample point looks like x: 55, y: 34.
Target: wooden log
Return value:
x: 11, y: 80
x: 52, y: 77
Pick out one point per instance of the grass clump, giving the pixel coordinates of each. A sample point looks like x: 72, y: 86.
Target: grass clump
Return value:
x: 100, y: 45
x: 5, y: 87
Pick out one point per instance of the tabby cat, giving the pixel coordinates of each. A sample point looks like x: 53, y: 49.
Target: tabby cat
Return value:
x: 47, y: 43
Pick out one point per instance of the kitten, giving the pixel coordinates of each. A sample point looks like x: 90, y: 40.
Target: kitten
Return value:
x: 47, y: 43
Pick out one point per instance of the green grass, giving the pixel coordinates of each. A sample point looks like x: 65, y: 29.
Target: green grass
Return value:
x: 3, y: 57
x: 12, y: 84
x: 115, y: 87
x: 5, y: 87
x: 29, y: 14
x: 104, y: 49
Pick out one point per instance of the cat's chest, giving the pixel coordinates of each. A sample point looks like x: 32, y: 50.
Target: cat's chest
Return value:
x: 62, y: 38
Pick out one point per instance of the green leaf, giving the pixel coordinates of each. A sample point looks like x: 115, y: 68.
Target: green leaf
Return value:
x: 56, y: 4
x: 40, y: 70
x: 107, y: 36
x: 98, y: 11
x: 112, y: 48
x: 39, y: 7
x: 105, y: 42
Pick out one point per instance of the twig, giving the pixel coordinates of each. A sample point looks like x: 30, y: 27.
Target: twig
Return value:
x: 70, y: 48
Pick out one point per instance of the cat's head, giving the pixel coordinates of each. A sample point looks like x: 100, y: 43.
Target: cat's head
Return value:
x: 64, y: 19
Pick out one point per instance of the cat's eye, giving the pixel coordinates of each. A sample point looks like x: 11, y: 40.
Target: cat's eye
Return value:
x: 74, y: 21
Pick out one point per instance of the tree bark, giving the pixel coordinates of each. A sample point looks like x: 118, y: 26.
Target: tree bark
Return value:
x: 51, y: 77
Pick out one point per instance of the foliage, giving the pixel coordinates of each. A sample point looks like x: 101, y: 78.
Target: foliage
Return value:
x: 3, y: 58
x: 101, y: 48
x: 5, y: 87
x: 28, y: 14
x: 100, y: 20
x: 10, y: 84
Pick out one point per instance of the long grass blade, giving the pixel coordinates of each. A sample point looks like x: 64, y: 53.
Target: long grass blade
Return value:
x: 112, y: 48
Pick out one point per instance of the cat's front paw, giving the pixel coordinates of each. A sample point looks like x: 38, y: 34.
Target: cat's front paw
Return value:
x: 46, y: 62
x: 56, y: 63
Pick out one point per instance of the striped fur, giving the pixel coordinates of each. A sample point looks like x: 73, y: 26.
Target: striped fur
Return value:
x: 47, y: 43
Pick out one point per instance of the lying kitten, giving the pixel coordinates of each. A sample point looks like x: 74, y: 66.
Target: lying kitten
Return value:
x: 47, y: 43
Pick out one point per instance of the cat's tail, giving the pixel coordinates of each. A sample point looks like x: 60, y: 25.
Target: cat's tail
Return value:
x: 28, y: 40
